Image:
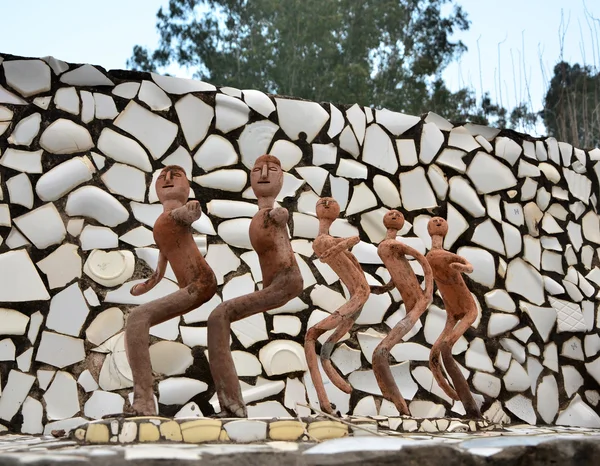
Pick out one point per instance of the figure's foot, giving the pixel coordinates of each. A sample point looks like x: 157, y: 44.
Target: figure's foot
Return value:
x: 141, y: 408
x: 233, y: 410
x: 335, y: 377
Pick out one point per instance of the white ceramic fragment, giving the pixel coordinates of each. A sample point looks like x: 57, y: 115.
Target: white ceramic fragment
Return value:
x: 86, y: 75
x: 27, y: 77
x: 13, y: 322
x: 235, y: 232
x: 453, y: 158
x: 362, y: 199
x: 10, y: 98
x: 489, y: 175
x: 150, y: 94
x: 415, y: 190
x: 501, y: 323
x: 477, y: 357
x: 32, y: 412
x: 230, y: 113
x: 386, y: 191
x: 98, y: 238
x: 178, y: 86
x: 179, y: 390
x: 127, y: 90
x: 109, y: 268
x: 288, y: 153
x: 22, y: 160
x: 125, y: 181
x: 395, y: 122
x: 42, y: 226
x: 66, y: 137
x: 486, y: 235
x: 62, y: 266
x: 170, y: 357
x: 578, y: 414
x: 123, y: 149
x: 465, y: 196
x: 314, y: 176
x: 15, y: 391
x: 26, y: 130
x: 523, y: 279
x: 91, y: 201
x: 102, y: 404
x: 61, y: 398
x: 63, y: 178
x: 484, y: 270
x: 104, y: 107
x: 88, y: 106
x: 290, y: 325
x: 508, y: 149
x: 255, y: 141
x: 522, y: 407
x: 378, y: 150
x: 543, y: 318
x: 20, y: 191
x: 226, y: 180
x: 569, y: 316
x: 296, y: 116
x: 259, y: 102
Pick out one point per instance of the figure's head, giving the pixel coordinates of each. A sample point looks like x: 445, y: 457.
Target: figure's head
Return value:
x: 172, y: 184
x: 437, y: 226
x: 266, y: 177
x: 394, y: 220
x: 327, y: 209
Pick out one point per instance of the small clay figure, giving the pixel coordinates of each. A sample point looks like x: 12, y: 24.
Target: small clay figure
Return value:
x: 282, y: 281
x: 197, y: 282
x: 336, y: 253
x: 393, y: 254
x: 461, y: 312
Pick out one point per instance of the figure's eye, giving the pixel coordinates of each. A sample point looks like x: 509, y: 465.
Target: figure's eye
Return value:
x: 161, y: 177
x: 177, y: 174
x: 273, y: 169
x: 256, y: 169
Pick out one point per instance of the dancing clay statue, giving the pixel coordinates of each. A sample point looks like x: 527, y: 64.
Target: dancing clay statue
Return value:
x: 197, y: 282
x: 393, y: 254
x: 461, y: 313
x: 282, y: 281
x: 334, y: 252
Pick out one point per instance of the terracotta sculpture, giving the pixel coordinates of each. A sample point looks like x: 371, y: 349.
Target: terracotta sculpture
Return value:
x: 197, y: 282
x: 461, y: 313
x: 393, y: 254
x: 334, y: 252
x: 282, y: 281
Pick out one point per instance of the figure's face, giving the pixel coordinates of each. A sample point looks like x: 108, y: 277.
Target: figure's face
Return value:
x: 437, y: 226
x: 172, y: 184
x: 327, y: 209
x: 266, y: 179
x: 393, y: 219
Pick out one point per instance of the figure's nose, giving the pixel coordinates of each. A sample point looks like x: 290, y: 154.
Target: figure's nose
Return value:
x: 168, y: 176
x: 264, y: 172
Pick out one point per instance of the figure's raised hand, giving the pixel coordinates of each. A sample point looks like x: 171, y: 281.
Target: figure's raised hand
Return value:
x: 279, y: 215
x: 138, y: 289
x: 194, y: 210
x: 464, y: 268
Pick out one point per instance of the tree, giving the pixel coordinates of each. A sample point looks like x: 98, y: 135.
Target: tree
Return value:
x: 388, y: 53
x: 572, y: 105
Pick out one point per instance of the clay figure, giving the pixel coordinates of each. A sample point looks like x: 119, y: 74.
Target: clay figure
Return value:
x: 393, y: 254
x: 197, y: 282
x: 461, y: 312
x: 282, y: 281
x: 336, y: 253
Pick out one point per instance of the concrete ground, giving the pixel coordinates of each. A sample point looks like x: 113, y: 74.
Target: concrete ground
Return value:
x: 518, y: 445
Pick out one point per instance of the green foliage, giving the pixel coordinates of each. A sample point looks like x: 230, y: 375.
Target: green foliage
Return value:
x: 572, y: 105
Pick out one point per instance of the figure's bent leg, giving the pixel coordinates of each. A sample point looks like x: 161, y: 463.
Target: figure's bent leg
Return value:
x: 219, y: 322
x: 137, y: 339
x: 434, y: 358
x: 460, y: 383
x: 381, y: 362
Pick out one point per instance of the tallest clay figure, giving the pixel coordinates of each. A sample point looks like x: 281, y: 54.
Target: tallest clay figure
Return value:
x: 282, y: 281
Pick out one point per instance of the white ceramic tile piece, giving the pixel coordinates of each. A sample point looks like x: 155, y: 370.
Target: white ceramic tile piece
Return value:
x: 5, y: 215
x: 22, y: 160
x: 324, y: 154
x: 378, y: 150
x: 572, y: 349
x: 543, y: 318
x: 88, y: 107
x: 484, y: 269
x: 431, y: 141
x: 551, y: 356
x: 522, y: 407
x: 86, y: 380
x: 255, y: 141
x: 13, y: 322
x: 453, y: 158
x: 66, y: 137
x: 15, y: 391
x: 86, y: 75
x: 61, y: 398
x: 516, y: 378
x: 286, y: 324
x: 180, y: 86
x: 503, y: 359
x: 314, y: 176
x: 461, y: 138
x: 569, y: 316
x: 572, y: 380
x: 235, y: 232
x: 138, y: 237
x: 104, y: 107
x: 508, y: 149
x: 395, y: 122
x: 528, y: 189
x: 106, y: 324
x: 552, y: 261
x: 125, y: 181
x: 6, y: 114
x: 64, y: 177
x: 62, y: 266
x: 98, y: 238
x: 415, y: 190
x: 127, y: 90
x: 523, y: 279
x: 15, y: 239
x: 42, y: 226
x: 425, y: 378
x: 7, y: 350
x: 259, y: 102
x: 245, y: 431
x: 490, y: 175
x: 20, y: 191
x: 477, y: 357
x: 170, y: 357
x: 190, y: 410
x: 486, y: 235
x: 372, y: 223
x: 297, y: 117
x: 27, y: 77
x: 532, y: 251
x: 92, y: 202
x: 288, y: 153
x: 501, y: 323
x: 230, y: 112
x: 362, y: 199
x: 26, y: 130
x: 103, y: 403
x: 464, y: 195
x: 386, y: 191
x: 149, y: 93
x: 226, y: 180
x: 487, y: 384
x: 154, y: 131
x: 580, y: 186
x: 357, y: 119
x: 592, y: 345
x: 179, y: 390
x: 346, y: 359
x: 547, y: 399
x: 36, y: 320
x: 32, y: 412
x: 123, y: 149
x: 365, y: 381
x: 500, y: 300
x: 578, y: 414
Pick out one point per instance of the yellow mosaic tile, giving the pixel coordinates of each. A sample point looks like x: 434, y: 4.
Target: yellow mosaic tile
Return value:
x: 170, y: 430
x: 202, y: 430
x: 97, y: 433
x: 224, y: 436
x: 148, y: 432
x: 324, y: 430
x: 286, y: 430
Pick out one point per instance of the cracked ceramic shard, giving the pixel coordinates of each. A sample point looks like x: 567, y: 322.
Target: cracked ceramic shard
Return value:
x: 170, y: 357
x: 395, y: 122
x: 461, y: 138
x: 224, y: 208
x: 86, y: 75
x: 230, y: 113
x: 27, y: 77
x: 88, y: 106
x: 523, y: 279
x: 287, y: 324
x: 477, y: 356
x: 104, y: 107
x: 501, y: 323
x: 150, y: 94
x: 32, y: 412
x: 127, y: 90
x: 66, y: 137
x: 348, y: 142
x: 378, y: 150
x: 572, y: 380
x: 15, y: 391
x: 282, y: 357
x: 362, y: 199
x: 45, y: 377
x: 457, y: 225
x: 59, y: 350
x: 487, y: 235
x: 68, y: 311
x: 179, y: 390
x: 109, y: 268
x: 62, y: 266
x: 58, y: 66
x: 484, y: 269
x: 324, y: 154
x: 516, y: 378
x: 372, y: 223
x: 7, y: 350
x: 20, y: 192
x: 386, y: 191
x: 98, y: 238
x: 314, y: 176
x: 591, y: 227
x: 259, y: 102
x: 415, y: 190
x: 464, y: 195
x: 92, y: 202
x: 22, y: 160
x: 64, y: 177
x: 297, y: 116
x: 180, y: 86
x: 106, y: 324
x: 153, y: 131
x: 125, y: 181
x: 569, y: 316
x: 365, y: 381
x: 235, y: 232
x: 26, y: 130
x: 255, y: 141
x: 123, y: 149
x: 62, y: 400
x: 453, y: 158
x: 578, y: 414
x: 195, y: 117
x: 13, y: 322
x: 6, y: 114
x: 102, y: 404
x: 288, y: 153
x: 489, y: 175
x: 357, y: 120
x: 487, y: 384
x: 10, y: 98
x: 508, y: 149
x: 42, y: 226
x: 500, y: 300
x: 438, y: 180
x: 205, y: 156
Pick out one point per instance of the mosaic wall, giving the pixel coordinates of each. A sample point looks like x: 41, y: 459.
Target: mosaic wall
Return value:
x: 79, y: 150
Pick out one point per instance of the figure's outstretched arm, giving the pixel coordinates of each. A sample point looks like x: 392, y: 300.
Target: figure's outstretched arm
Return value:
x: 380, y: 289
x: 420, y: 258
x: 187, y: 213
x: 460, y: 264
x: 156, y: 277
x: 279, y: 215
x: 343, y: 245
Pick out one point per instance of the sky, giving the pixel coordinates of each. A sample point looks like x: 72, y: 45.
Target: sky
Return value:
x: 104, y: 33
